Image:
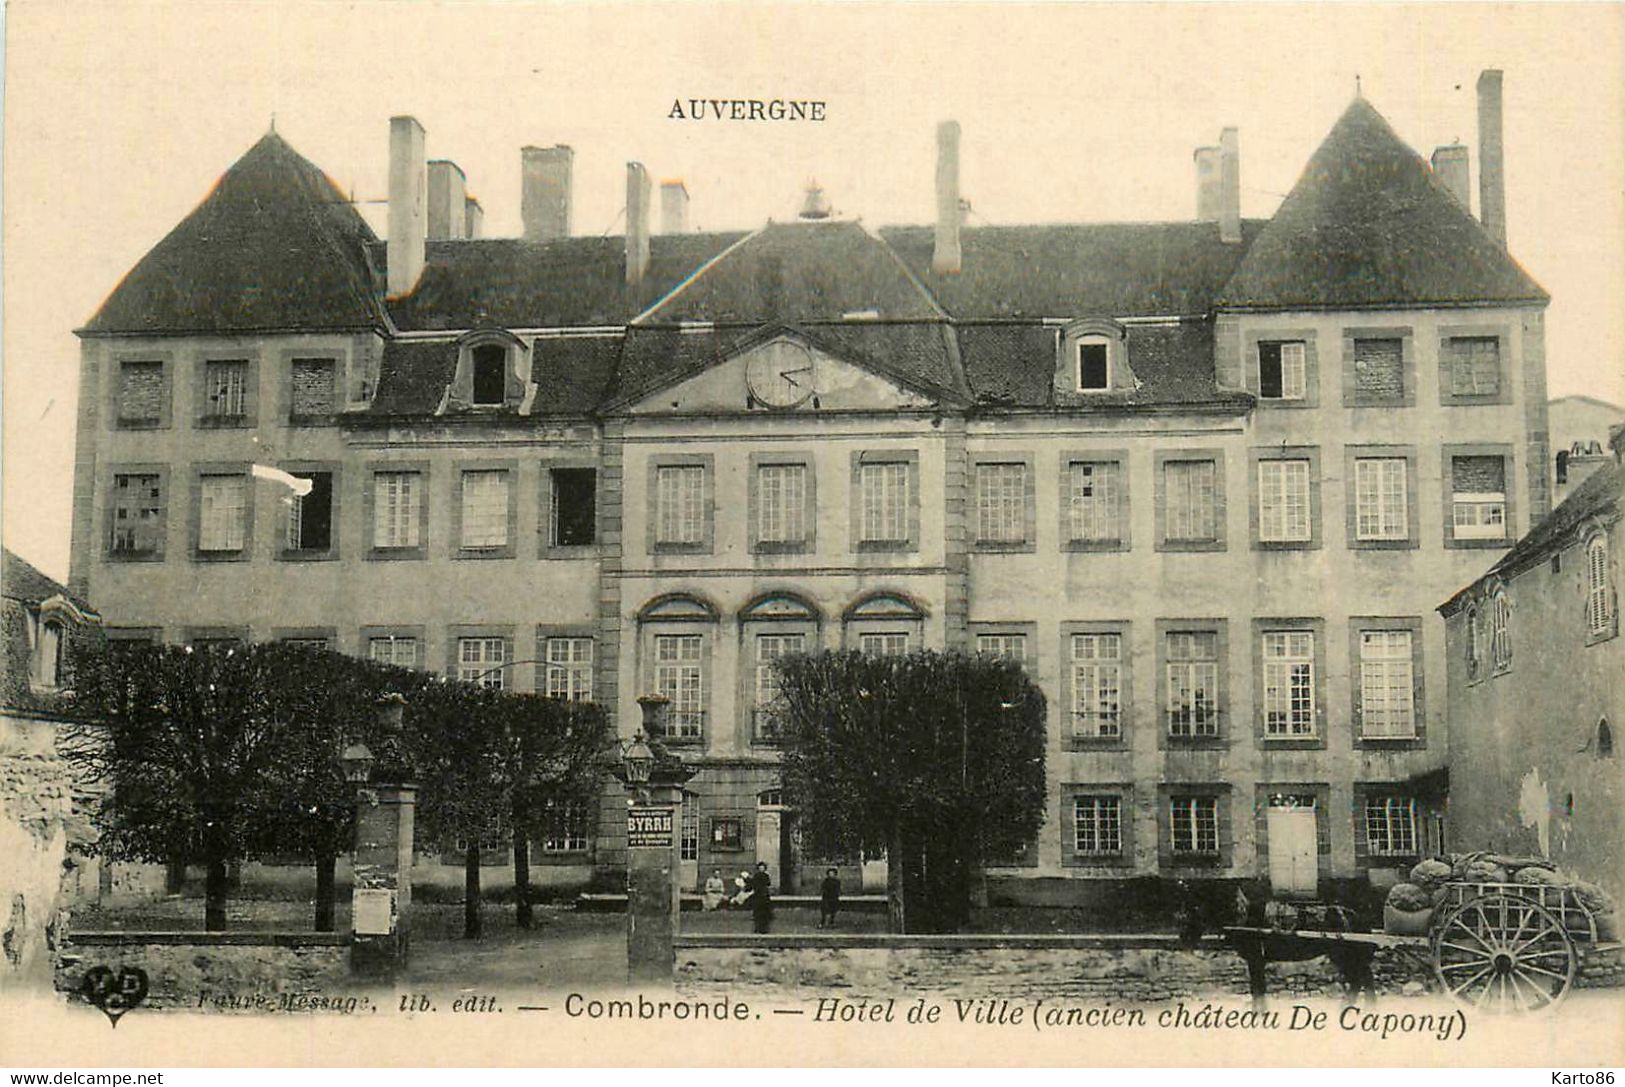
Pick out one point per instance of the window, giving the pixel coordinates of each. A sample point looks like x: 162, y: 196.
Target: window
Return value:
x: 137, y: 514
x: 1193, y: 823
x: 142, y: 393
x: 397, y: 509
x: 884, y: 501
x: 680, y: 676
x: 225, y: 389
x: 1605, y: 739
x: 680, y: 504
x: 1191, y: 500
x: 481, y: 660
x: 1289, y: 683
x: 222, y: 513
x: 1193, y: 682
x: 1009, y: 647
x: 1474, y: 365
x: 1094, y: 490
x: 305, y: 643
x: 485, y: 509
x: 1282, y: 370
x: 1390, y: 825
x: 727, y: 835
x: 1379, y: 370
x: 1097, y: 685
x: 566, y: 827
x: 1097, y: 825
x: 1283, y: 501
x: 1387, y: 691
x: 573, y: 506
x: 568, y: 671
x: 1501, y: 632
x: 1599, y: 592
x: 490, y: 375
x: 1094, y: 369
x: 1472, y: 642
x: 769, y: 705
x: 1478, y: 497
x: 688, y: 839
x: 781, y: 503
x: 883, y: 643
x: 1001, y: 502
x: 391, y: 649
x: 49, y: 654
x: 1381, y: 502
x: 310, y: 516
x: 311, y: 392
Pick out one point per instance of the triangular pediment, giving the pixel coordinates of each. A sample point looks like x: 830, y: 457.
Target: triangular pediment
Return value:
x: 776, y: 371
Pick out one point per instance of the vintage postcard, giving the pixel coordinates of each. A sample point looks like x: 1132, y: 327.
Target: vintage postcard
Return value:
x: 813, y: 534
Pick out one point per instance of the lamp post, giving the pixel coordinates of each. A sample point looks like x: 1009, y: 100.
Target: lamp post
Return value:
x: 381, y: 900
x: 654, y: 780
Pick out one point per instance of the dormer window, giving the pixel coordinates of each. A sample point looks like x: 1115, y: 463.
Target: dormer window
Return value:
x: 490, y: 375
x: 1094, y: 364
x: 48, y: 654
x: 48, y: 629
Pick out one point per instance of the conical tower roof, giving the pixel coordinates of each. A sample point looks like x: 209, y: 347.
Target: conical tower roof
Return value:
x: 275, y: 245
x: 1370, y: 224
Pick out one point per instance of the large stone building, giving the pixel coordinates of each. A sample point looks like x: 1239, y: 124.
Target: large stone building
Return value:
x: 1206, y: 478
x: 1536, y: 674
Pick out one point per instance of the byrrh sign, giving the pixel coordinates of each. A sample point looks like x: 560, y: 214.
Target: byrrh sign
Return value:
x: 648, y: 828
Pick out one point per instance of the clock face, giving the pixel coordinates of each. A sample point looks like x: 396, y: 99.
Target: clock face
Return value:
x: 780, y: 375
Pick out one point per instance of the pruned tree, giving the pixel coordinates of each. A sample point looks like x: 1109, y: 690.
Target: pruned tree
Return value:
x: 935, y: 759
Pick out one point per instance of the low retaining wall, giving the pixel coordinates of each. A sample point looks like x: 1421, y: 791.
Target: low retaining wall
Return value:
x: 1127, y: 969
x: 225, y: 971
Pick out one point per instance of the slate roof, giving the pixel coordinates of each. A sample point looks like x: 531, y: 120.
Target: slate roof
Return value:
x: 23, y: 586
x: 1014, y: 365
x: 800, y: 272
x: 1599, y: 493
x: 565, y: 282
x: 1078, y: 269
x: 572, y: 374
x: 273, y: 246
x: 1370, y: 224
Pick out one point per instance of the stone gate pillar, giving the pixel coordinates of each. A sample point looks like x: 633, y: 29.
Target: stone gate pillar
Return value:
x: 382, y: 898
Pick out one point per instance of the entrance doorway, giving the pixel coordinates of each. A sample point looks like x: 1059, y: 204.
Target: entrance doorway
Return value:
x: 1294, y: 869
x: 775, y: 846
x: 688, y: 846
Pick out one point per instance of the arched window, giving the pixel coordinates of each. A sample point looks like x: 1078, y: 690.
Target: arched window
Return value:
x: 1599, y: 592
x: 490, y: 374
x: 1501, y: 632
x: 1562, y: 465
x: 48, y: 667
x: 1605, y: 739
x: 773, y: 626
x: 885, y: 624
x: 1475, y: 651
x: 676, y: 638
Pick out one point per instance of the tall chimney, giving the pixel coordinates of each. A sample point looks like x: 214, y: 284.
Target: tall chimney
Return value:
x: 1453, y: 165
x: 1207, y: 184
x: 673, y: 207
x: 1229, y: 186
x: 544, y: 191
x: 448, y: 195
x: 1492, y: 185
x: 408, y: 204
x: 945, y: 257
x: 637, y: 222
x: 473, y: 218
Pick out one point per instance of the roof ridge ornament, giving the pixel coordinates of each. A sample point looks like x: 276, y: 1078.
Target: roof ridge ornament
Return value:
x: 816, y: 205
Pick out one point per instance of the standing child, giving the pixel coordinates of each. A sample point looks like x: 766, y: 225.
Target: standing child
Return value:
x: 829, y: 899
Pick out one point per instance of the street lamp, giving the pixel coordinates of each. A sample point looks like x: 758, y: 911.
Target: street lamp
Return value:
x: 356, y: 762
x: 637, y: 761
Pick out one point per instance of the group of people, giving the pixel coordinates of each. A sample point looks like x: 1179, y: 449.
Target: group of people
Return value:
x: 755, y: 890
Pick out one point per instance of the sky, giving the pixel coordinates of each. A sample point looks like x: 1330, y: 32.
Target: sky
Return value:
x: 120, y: 116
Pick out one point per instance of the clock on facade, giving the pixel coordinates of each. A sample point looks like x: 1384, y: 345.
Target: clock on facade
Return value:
x: 780, y: 374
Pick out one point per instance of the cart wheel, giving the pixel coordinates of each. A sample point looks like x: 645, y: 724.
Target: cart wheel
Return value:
x: 1504, y: 953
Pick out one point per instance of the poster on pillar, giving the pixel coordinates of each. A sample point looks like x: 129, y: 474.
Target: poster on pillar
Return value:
x: 649, y: 827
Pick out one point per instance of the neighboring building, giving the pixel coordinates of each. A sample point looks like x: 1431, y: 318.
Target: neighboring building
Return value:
x: 1579, y: 439
x: 1206, y: 478
x: 1536, y: 672
x: 45, y: 627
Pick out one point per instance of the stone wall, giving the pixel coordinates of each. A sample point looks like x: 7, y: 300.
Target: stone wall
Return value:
x: 35, y: 805
x: 223, y: 971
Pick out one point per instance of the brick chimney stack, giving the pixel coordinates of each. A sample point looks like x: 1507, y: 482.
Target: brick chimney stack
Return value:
x: 637, y: 222
x: 945, y: 256
x: 1453, y: 164
x: 408, y: 205
x: 1230, y: 186
x: 673, y: 207
x: 1492, y: 191
x: 448, y: 198
x: 544, y: 191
